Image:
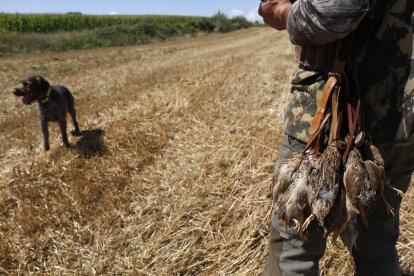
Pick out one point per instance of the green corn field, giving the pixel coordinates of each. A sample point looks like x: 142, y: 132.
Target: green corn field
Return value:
x: 47, y: 23
x: 27, y: 33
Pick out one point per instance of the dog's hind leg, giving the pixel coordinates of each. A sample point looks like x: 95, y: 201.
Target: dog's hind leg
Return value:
x: 45, y: 131
x: 62, y: 126
x: 72, y: 112
x: 76, y: 131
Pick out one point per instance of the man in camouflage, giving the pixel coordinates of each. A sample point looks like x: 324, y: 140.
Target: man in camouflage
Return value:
x: 383, y: 65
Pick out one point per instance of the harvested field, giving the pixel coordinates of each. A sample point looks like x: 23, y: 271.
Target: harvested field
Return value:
x: 172, y: 172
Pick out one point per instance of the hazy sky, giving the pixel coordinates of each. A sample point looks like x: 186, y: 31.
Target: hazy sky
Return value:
x: 247, y: 8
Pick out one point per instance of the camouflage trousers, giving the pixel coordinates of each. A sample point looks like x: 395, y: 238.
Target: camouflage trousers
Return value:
x: 375, y: 251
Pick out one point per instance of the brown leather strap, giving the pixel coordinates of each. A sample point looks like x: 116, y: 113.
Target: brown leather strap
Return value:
x: 320, y: 111
x: 354, y: 119
x: 315, y: 145
x: 333, y: 133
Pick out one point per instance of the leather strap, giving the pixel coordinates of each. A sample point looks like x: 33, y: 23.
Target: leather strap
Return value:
x: 354, y: 118
x: 320, y: 112
x: 333, y: 134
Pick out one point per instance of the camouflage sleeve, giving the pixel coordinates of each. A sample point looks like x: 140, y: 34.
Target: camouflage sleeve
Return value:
x: 313, y: 22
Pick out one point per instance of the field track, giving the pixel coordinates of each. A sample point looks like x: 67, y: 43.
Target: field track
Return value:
x: 172, y: 173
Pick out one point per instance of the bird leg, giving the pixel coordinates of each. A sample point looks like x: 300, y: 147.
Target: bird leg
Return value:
x: 399, y: 192
x: 388, y: 206
x: 308, y: 222
x: 298, y: 226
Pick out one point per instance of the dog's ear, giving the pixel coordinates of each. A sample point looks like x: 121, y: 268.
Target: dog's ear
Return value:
x: 41, y: 83
x: 44, y: 84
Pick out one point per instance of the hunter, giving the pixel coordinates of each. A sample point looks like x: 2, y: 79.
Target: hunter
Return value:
x: 382, y: 62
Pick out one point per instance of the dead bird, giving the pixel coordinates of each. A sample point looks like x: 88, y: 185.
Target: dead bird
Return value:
x: 376, y: 173
x: 282, y: 180
x: 360, y: 196
x: 374, y: 156
x: 323, y: 185
x: 285, y: 175
x: 360, y: 191
x: 292, y: 202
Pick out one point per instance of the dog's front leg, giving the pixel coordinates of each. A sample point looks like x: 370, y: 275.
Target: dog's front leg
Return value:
x: 45, y: 131
x: 62, y: 126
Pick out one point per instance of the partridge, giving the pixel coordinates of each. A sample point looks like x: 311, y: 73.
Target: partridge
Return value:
x: 286, y: 173
x: 291, y: 204
x: 376, y: 173
x: 323, y: 185
x: 360, y: 191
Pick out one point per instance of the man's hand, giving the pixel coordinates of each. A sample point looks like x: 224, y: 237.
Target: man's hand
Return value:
x: 275, y: 12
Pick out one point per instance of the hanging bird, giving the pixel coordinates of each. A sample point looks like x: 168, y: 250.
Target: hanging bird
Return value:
x: 374, y: 155
x: 323, y: 185
x: 364, y: 183
x: 359, y: 196
x: 291, y: 204
x: 360, y: 191
x: 377, y: 177
x: 286, y: 173
x: 376, y: 172
x: 283, y: 179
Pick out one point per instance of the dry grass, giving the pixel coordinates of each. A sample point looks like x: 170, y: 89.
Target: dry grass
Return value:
x: 172, y: 173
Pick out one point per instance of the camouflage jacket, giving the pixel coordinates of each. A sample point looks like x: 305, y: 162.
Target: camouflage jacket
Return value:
x: 382, y: 62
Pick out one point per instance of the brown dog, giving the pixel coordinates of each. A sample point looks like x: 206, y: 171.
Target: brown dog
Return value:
x: 54, y: 102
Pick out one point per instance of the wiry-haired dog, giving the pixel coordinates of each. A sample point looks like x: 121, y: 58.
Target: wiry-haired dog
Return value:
x: 53, y: 103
